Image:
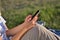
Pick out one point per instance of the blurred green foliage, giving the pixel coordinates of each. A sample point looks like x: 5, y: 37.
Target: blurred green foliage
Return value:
x: 15, y: 11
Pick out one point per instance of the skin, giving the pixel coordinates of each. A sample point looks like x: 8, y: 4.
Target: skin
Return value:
x: 21, y: 29
x: 0, y: 38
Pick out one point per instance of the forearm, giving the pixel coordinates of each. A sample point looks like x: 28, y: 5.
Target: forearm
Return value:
x: 15, y: 30
x: 20, y: 34
x: 18, y: 28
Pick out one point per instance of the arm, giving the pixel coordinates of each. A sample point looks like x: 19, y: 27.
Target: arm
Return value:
x: 15, y: 30
x: 18, y: 28
x: 27, y: 26
x: 20, y: 34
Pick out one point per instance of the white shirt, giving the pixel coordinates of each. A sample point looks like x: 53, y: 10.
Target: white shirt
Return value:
x: 2, y: 20
x: 3, y: 28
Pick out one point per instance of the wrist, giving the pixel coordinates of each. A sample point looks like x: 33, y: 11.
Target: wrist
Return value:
x: 28, y: 25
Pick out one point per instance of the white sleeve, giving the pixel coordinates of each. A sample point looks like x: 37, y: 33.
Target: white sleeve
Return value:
x: 0, y: 30
x: 2, y: 19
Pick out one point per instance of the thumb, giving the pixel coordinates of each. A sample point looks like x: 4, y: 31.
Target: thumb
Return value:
x: 34, y: 19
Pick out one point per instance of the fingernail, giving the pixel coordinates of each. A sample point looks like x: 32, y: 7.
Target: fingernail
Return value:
x: 29, y: 19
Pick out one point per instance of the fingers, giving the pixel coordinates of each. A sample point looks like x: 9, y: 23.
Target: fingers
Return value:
x: 34, y: 19
x: 28, y: 18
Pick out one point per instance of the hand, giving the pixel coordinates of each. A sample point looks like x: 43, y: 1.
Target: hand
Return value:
x: 29, y: 21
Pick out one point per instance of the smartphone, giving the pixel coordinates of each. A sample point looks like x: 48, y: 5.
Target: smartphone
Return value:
x: 37, y: 13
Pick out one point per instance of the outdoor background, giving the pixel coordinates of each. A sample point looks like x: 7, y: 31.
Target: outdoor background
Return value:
x: 15, y: 11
